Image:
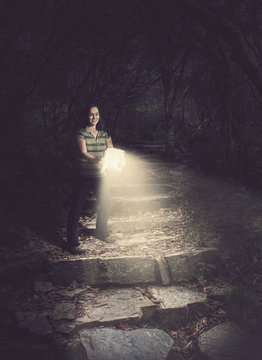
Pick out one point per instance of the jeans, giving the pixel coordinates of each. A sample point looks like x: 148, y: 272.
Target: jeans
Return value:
x: 81, y: 188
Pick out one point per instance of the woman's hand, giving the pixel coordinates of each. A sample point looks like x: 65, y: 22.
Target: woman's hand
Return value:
x: 98, y: 159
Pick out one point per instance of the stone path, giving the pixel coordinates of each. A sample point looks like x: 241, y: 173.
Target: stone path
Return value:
x: 146, y: 225
x: 146, y: 258
x: 118, y: 301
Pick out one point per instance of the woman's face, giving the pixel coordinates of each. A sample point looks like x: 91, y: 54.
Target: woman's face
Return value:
x: 93, y: 116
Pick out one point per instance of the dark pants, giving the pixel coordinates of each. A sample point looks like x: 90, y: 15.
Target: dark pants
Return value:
x: 81, y: 189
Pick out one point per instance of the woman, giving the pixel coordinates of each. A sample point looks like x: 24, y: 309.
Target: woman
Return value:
x: 91, y: 144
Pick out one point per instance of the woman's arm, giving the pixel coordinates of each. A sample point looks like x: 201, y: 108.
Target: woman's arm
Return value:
x: 81, y: 146
x: 109, y: 142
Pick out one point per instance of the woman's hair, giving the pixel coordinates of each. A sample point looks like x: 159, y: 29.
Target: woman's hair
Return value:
x: 91, y: 105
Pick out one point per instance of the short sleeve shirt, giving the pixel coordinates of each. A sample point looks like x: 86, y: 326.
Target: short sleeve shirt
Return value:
x: 95, y: 146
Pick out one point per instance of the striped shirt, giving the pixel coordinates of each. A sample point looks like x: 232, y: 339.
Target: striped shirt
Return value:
x: 95, y: 146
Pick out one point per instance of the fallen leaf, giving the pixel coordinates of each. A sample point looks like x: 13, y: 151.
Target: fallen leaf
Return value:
x: 173, y: 333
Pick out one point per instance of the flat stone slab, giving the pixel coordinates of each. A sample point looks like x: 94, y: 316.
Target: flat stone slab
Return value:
x: 111, y: 344
x: 140, y: 239
x: 229, y: 341
x: 65, y: 271
x: 128, y: 270
x: 175, y: 297
x: 113, y: 306
x: 168, y: 307
x: 123, y: 226
x: 124, y: 205
x: 192, y: 264
x: 99, y: 271
x: 177, y: 305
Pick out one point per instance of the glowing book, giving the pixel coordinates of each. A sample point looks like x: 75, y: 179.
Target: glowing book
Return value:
x: 114, y: 159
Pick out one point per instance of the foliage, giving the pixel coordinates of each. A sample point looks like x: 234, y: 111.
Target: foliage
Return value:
x: 184, y: 73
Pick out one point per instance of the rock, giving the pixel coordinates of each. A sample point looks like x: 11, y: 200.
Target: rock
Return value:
x: 64, y: 272
x: 76, y: 351
x: 72, y: 293
x: 63, y: 311
x: 119, y: 270
x: 112, y: 306
x: 163, y: 271
x: 176, y: 305
x: 128, y: 270
x: 191, y: 264
x: 35, y: 322
x: 243, y: 307
x: 111, y: 344
x: 229, y: 341
x: 42, y: 286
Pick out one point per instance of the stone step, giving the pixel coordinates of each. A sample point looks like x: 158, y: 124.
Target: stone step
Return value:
x: 166, y: 307
x: 130, y: 224
x: 124, y: 205
x: 91, y: 318
x: 87, y: 307
x: 114, y: 306
x: 174, y: 268
x: 125, y: 226
x: 129, y: 204
x: 134, y: 190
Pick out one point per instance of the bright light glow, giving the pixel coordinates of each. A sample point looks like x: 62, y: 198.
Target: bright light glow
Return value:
x: 114, y: 159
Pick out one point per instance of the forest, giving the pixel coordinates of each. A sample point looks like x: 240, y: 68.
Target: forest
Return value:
x: 186, y: 74
x: 184, y: 77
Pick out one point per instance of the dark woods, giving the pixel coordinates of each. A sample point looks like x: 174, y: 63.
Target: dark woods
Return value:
x: 186, y: 73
